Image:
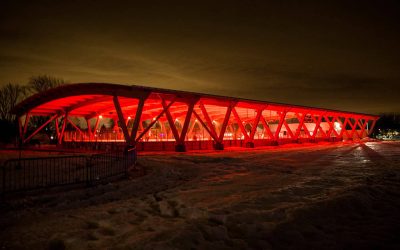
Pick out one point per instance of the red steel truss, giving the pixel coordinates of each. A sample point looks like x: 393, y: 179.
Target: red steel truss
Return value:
x: 151, y: 115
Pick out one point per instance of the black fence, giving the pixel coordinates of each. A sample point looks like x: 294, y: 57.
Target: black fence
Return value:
x: 33, y: 173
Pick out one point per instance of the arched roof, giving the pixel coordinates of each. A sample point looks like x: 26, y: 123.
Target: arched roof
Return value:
x: 91, y: 99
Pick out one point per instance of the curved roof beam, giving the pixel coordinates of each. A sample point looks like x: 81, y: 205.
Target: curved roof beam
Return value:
x: 144, y: 92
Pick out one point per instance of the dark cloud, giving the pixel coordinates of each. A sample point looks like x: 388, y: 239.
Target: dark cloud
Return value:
x: 334, y: 54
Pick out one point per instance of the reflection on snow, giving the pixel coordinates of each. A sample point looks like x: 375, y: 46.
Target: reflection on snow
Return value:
x: 306, y: 197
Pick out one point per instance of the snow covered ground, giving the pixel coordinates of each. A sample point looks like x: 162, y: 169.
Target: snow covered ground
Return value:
x: 318, y: 196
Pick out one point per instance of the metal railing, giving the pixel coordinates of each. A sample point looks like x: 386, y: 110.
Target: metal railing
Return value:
x: 27, y: 174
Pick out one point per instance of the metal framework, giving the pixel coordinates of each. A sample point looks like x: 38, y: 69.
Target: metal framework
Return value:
x: 144, y: 115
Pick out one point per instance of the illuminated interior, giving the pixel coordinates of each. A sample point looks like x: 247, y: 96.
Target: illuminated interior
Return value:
x: 102, y: 113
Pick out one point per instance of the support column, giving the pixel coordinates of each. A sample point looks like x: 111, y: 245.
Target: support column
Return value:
x: 301, y: 123
x: 121, y: 120
x: 239, y: 121
x: 372, y: 127
x: 96, y: 125
x: 278, y: 129
x: 180, y: 146
x: 137, y: 120
x: 288, y: 129
x: 57, y: 128
x: 332, y: 126
x: 362, y: 126
x: 317, y: 123
x: 63, y: 128
x: 25, y: 128
x: 170, y: 120
x: 250, y: 142
x: 20, y: 128
x: 209, y: 122
x: 266, y: 128
x: 353, y: 128
x: 219, y: 145
x: 344, y: 124
x: 89, y: 129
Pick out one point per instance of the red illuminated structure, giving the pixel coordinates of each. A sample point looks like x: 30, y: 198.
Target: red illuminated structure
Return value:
x: 99, y: 115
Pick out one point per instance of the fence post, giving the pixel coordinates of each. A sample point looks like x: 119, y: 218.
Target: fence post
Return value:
x: 4, y: 182
x: 129, y: 154
x: 88, y: 170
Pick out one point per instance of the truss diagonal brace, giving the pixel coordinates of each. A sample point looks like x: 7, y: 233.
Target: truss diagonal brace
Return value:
x: 317, y: 126
x: 372, y: 127
x: 209, y: 122
x: 40, y: 128
x: 121, y: 120
x: 281, y: 120
x: 239, y: 121
x: 187, y: 120
x: 255, y: 124
x: 266, y: 127
x: 76, y: 127
x: 136, y: 122
x: 205, y: 126
x: 301, y: 123
x: 170, y: 120
x: 226, y: 121
x: 154, y: 120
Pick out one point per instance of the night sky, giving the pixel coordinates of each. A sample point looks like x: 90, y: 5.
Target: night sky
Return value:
x: 333, y: 54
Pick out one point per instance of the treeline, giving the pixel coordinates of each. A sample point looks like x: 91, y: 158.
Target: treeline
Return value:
x: 13, y: 93
x: 388, y: 121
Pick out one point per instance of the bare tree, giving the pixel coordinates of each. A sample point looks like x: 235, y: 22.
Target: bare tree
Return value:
x: 42, y: 83
x: 10, y: 95
x: 38, y: 84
